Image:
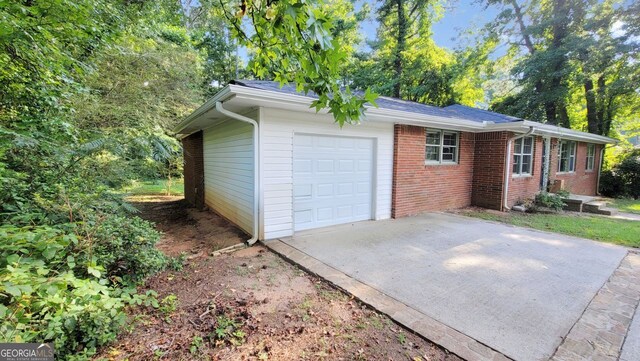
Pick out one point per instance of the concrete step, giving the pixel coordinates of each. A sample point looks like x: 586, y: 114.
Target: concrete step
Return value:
x: 598, y: 207
x: 574, y: 205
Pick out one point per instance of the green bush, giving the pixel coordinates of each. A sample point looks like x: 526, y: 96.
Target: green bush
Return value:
x: 611, y: 185
x: 549, y: 200
x: 125, y: 247
x: 624, y: 179
x: 42, y: 299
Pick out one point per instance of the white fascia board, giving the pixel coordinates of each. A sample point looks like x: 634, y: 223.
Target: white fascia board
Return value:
x: 266, y: 98
x: 551, y: 130
x: 290, y: 101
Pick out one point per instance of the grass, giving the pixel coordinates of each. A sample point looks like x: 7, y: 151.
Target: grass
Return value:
x: 626, y: 205
x: 616, y: 231
x: 155, y: 187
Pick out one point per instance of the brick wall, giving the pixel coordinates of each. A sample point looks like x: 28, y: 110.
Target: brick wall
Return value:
x: 193, y: 170
x: 488, y: 176
x: 526, y: 187
x: 418, y: 187
x: 581, y: 181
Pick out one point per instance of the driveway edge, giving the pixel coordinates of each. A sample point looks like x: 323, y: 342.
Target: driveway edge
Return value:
x: 427, y: 327
x: 600, y: 332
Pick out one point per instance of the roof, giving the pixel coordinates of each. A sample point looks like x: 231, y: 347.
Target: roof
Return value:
x: 453, y: 112
x: 466, y: 112
x: 243, y: 95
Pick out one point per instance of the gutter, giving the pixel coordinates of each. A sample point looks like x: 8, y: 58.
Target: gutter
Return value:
x: 256, y: 165
x: 552, y: 130
x: 507, y: 168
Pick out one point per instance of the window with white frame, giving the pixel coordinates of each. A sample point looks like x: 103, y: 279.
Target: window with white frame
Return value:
x: 591, y: 157
x: 522, y: 156
x: 441, y: 147
x: 566, y: 156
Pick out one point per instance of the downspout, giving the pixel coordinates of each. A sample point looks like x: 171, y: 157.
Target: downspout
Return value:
x: 507, y: 168
x: 604, y: 146
x: 256, y: 166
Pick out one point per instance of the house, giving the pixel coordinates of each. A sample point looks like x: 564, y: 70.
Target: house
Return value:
x: 259, y: 156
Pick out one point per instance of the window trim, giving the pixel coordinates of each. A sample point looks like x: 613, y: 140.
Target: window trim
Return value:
x: 520, y: 153
x: 591, y: 158
x: 440, y: 146
x: 570, y: 156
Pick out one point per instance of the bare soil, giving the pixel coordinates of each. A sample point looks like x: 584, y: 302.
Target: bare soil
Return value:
x: 188, y: 231
x: 251, y: 305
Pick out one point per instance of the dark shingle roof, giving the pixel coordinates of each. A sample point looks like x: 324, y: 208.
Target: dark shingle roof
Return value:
x: 466, y: 112
x: 453, y: 111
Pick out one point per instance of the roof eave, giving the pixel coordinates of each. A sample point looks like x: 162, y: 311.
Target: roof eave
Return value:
x: 223, y: 94
x: 552, y: 130
x: 372, y: 113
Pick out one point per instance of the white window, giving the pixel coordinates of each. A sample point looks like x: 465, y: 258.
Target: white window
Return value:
x: 522, y: 156
x: 566, y: 156
x: 591, y: 156
x: 441, y: 147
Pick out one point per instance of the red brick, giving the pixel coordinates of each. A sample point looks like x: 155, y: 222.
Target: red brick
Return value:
x: 192, y: 148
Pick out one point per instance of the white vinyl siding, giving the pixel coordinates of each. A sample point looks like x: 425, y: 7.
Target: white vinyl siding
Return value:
x: 277, y: 129
x: 228, y: 171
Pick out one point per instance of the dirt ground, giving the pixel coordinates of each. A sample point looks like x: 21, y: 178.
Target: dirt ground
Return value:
x: 188, y: 231
x: 251, y: 305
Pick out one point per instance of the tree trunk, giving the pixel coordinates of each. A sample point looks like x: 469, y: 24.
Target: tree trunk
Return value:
x: 401, y: 43
x: 590, y: 97
x: 549, y: 107
x: 559, y: 31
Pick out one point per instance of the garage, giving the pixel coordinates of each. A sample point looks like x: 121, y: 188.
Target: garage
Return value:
x: 332, y: 180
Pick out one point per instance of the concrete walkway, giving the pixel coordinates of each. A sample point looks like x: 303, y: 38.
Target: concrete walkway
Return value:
x: 627, y: 216
x: 631, y: 347
x: 480, y: 289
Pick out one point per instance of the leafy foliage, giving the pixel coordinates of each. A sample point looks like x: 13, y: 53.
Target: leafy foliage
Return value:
x: 624, y: 179
x: 44, y: 296
x: 406, y: 63
x: 293, y: 41
x: 575, y: 62
x: 70, y: 247
x: 550, y: 200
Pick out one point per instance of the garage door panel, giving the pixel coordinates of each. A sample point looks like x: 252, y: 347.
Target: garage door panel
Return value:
x: 332, y: 180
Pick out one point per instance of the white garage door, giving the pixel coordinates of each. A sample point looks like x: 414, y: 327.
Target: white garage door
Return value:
x: 332, y: 180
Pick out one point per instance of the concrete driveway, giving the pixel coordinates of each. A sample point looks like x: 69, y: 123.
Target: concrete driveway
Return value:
x: 515, y: 290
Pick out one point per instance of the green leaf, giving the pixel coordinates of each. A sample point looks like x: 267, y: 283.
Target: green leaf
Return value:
x: 94, y: 272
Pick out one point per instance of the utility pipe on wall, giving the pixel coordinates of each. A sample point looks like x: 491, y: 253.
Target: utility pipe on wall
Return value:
x: 507, y: 168
x: 256, y: 165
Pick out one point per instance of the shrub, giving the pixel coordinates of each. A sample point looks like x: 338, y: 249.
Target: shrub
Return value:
x: 549, y: 200
x: 125, y: 247
x: 629, y: 172
x: 611, y: 185
x: 624, y: 179
x: 42, y: 300
x: 54, y: 285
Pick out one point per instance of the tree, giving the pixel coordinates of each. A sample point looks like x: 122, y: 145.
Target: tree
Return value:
x: 406, y: 63
x: 573, y: 68
x: 293, y: 41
